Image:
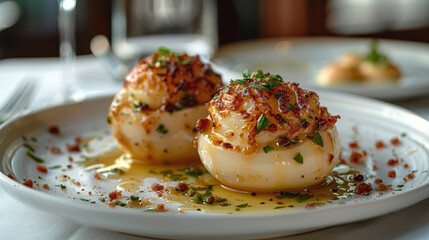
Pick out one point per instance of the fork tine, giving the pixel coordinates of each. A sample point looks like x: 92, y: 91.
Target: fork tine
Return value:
x: 20, y: 103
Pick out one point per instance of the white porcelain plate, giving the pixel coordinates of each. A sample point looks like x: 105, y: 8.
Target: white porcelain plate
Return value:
x: 362, y: 120
x: 300, y: 59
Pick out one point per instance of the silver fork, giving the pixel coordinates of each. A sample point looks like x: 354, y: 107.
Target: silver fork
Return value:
x: 19, y: 100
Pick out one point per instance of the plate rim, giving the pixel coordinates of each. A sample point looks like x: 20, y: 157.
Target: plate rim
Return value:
x: 10, y: 185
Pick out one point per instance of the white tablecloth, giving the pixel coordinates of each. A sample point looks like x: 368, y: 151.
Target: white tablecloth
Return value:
x: 18, y: 221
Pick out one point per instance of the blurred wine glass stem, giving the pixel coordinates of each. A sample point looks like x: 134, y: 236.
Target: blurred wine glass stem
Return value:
x: 66, y: 26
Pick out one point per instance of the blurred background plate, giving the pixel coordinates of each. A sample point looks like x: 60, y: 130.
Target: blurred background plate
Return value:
x: 300, y: 59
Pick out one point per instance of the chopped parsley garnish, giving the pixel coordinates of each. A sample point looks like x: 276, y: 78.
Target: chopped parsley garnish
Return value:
x: 278, y: 95
x: 242, y: 205
x: 298, y: 158
x: 120, y: 203
x: 247, y: 74
x: 153, y: 172
x: 215, y: 95
x: 282, y: 120
x: 132, y: 95
x: 161, y: 129
x: 133, y: 198
x: 278, y: 207
x: 35, y: 158
x: 299, y: 197
x: 160, y: 74
x: 186, y: 62
x: 109, y: 119
x: 264, y: 86
x: 102, y: 199
x: 400, y: 185
x: 268, y: 148
x: 193, y: 171
x: 83, y: 199
x: 263, y: 123
x: 374, y: 56
x: 117, y: 170
x: 240, y: 81
x: 260, y: 74
x: 225, y: 204
x: 403, y: 134
x: 29, y: 147
x: 163, y: 51
x: 290, y: 106
x: 225, y: 89
x: 54, y: 167
x: 61, y: 186
x: 316, y: 138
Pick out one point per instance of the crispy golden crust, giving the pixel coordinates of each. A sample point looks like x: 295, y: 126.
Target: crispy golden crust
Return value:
x: 292, y: 112
x: 184, y: 79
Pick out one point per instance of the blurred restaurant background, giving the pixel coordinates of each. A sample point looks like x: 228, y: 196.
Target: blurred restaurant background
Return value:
x: 30, y: 28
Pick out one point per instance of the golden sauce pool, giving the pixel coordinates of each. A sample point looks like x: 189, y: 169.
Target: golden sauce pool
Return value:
x: 192, y: 188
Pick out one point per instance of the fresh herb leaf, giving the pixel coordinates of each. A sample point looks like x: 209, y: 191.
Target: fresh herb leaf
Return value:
x: 153, y: 172
x: 260, y: 74
x: 247, y: 74
x: 278, y: 95
x: 193, y: 171
x: 163, y: 51
x: 304, y: 197
x: 102, y: 199
x: 151, y: 210
x: 290, y: 106
x: 160, y: 74
x: 161, y: 129
x: 316, y: 138
x: 61, y: 186
x: 263, y: 123
x: 403, y: 134
x: 282, y: 120
x: 240, y: 81
x: 117, y: 170
x: 133, y: 198
x: 298, y: 158
x: 225, y: 204
x: 109, y: 119
x: 83, y: 199
x: 29, y: 147
x: 273, y: 77
x: 268, y: 148
x: 186, y: 62
x: 35, y: 158
x: 120, y: 203
x: 242, y: 205
x: 400, y: 185
x: 278, y: 207
x: 54, y: 167
x: 263, y: 87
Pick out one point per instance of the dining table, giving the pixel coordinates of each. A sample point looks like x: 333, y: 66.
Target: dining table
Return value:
x: 19, y: 221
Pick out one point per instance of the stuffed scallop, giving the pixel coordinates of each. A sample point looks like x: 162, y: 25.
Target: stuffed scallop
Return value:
x: 264, y: 134
x: 153, y: 116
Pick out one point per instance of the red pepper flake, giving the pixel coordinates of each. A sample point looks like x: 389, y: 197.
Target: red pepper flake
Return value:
x: 378, y: 181
x: 374, y: 167
x: 115, y: 195
x: 160, y: 207
x: 363, y: 188
x: 280, y: 203
x: 29, y: 183
x: 157, y: 187
x: 112, y: 205
x: 45, y: 186
x: 97, y: 176
x: 356, y: 157
x: 181, y: 187
x: 41, y: 168
x: 405, y: 179
x: 393, y: 162
x: 90, y: 193
x: 310, y: 205
x: 72, y: 147
x: 54, y: 130
x: 391, y: 174
x: 406, y: 165
x: 55, y: 150
x: 159, y: 194
x: 395, y: 141
x: 410, y: 175
x: 354, y: 145
x: 382, y: 187
x: 70, y: 159
x: 379, y: 145
x: 10, y: 176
